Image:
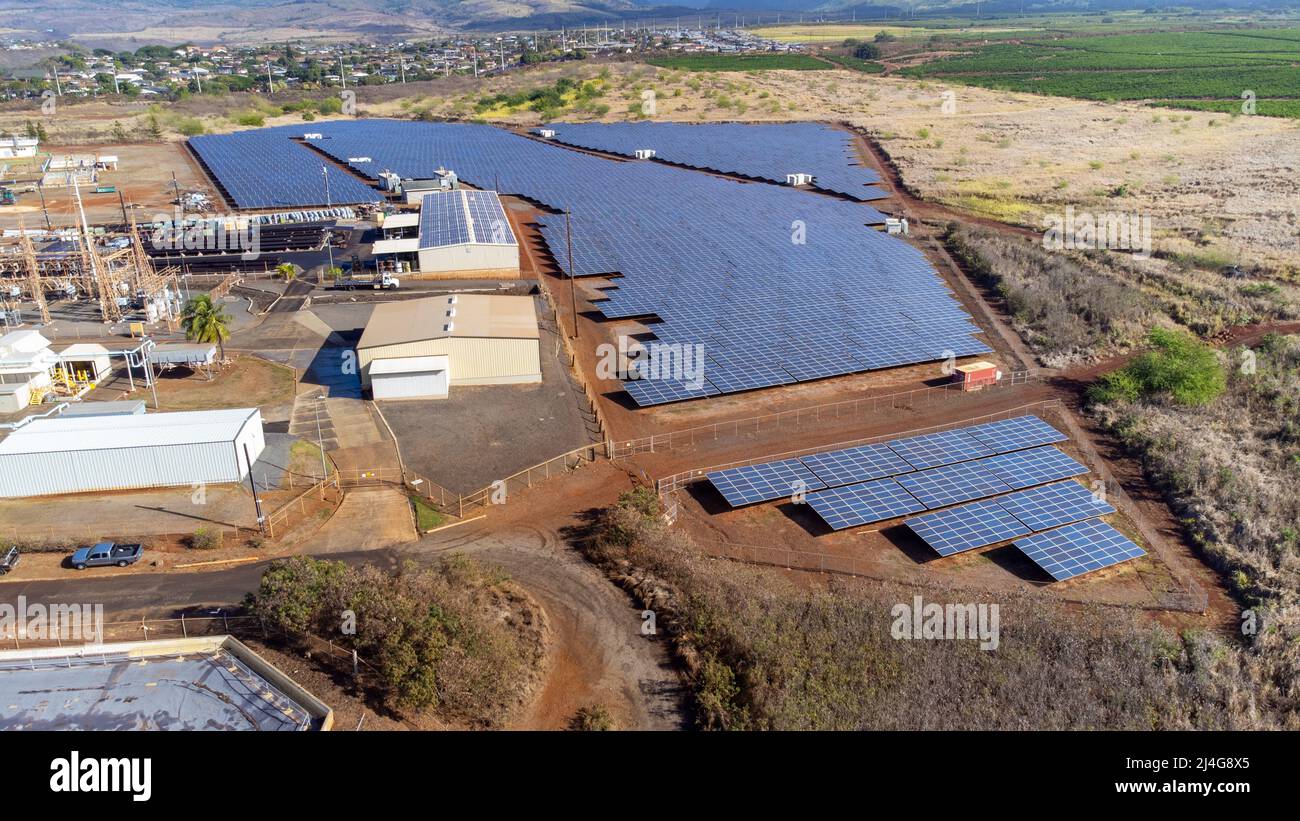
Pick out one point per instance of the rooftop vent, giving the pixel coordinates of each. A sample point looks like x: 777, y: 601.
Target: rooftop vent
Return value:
x: 645, y: 153
x: 449, y: 327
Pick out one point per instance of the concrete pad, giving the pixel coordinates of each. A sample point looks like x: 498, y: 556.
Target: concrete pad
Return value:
x: 369, y: 517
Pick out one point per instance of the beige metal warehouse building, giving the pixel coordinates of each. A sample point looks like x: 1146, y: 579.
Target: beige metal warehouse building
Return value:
x: 420, y: 348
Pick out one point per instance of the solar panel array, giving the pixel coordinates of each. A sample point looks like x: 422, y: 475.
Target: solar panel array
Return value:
x: 1001, y: 466
x: 463, y: 216
x: 778, y: 285
x: 1078, y: 548
x: 990, y: 521
x: 766, y: 152
x: 265, y: 169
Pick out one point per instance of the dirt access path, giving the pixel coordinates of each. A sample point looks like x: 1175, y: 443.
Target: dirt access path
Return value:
x: 598, y: 655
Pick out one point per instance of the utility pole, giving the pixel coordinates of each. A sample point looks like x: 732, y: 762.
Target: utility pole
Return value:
x: 343, y: 72
x: 257, y: 503
x: 329, y: 235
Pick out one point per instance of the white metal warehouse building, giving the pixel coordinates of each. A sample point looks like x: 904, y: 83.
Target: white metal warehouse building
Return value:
x: 419, y: 348
x: 79, y: 454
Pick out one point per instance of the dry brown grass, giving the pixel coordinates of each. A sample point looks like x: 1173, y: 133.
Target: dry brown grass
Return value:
x: 764, y: 653
x: 1230, y: 470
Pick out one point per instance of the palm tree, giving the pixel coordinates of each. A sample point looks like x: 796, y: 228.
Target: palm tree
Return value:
x: 206, y: 321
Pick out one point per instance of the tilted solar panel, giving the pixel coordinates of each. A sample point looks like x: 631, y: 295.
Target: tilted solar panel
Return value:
x: 933, y: 449
x: 959, y: 529
x: 951, y: 484
x: 1078, y: 548
x: 1026, y: 468
x: 860, y: 464
x: 1015, y: 434
x: 861, y: 504
x: 750, y: 484
x: 1044, y: 507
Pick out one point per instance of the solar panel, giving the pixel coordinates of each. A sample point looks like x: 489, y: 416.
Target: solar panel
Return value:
x: 762, y: 483
x: 861, y: 504
x: 950, y: 484
x: 1078, y: 548
x: 933, y: 449
x: 768, y: 152
x: 1044, y: 507
x: 860, y: 464
x: 967, y: 527
x: 1015, y: 434
x: 1026, y: 468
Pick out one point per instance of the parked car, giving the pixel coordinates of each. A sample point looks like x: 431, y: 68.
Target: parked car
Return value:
x: 8, y: 560
x: 105, y: 554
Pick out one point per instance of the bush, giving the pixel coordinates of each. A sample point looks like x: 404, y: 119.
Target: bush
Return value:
x: 254, y: 119
x: 592, y: 718
x: 206, y: 538
x: 1178, y: 367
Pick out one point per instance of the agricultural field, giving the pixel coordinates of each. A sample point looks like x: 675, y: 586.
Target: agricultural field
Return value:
x: 1208, y: 69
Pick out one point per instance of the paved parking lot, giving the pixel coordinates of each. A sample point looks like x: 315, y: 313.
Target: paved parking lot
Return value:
x: 480, y: 434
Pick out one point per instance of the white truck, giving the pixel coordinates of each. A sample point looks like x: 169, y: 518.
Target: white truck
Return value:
x: 376, y: 282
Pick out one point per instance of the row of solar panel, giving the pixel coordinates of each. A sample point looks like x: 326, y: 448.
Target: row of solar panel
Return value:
x: 769, y: 152
x: 989, y: 521
x: 750, y: 484
x: 881, y: 499
x: 779, y: 285
x: 1032, y: 518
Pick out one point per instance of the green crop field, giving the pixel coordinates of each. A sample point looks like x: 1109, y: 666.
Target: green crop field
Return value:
x: 849, y: 61
x: 740, y: 62
x: 1208, y: 70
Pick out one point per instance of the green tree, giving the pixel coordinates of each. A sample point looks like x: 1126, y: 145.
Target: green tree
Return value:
x: 206, y: 321
x: 287, y: 270
x: 867, y: 51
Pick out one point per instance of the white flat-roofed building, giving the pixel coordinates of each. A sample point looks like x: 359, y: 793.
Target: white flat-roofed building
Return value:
x: 95, y: 453
x: 459, y: 234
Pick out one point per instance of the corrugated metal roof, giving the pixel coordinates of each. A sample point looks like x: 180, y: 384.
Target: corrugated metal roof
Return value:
x: 64, y: 433
x: 470, y: 315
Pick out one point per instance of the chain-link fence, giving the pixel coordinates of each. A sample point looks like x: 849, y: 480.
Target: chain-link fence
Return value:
x: 799, y: 418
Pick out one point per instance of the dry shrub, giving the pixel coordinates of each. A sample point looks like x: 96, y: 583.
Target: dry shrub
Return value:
x: 439, y: 638
x: 1082, y: 306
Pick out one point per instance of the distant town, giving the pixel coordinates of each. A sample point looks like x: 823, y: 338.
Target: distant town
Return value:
x: 167, y: 72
